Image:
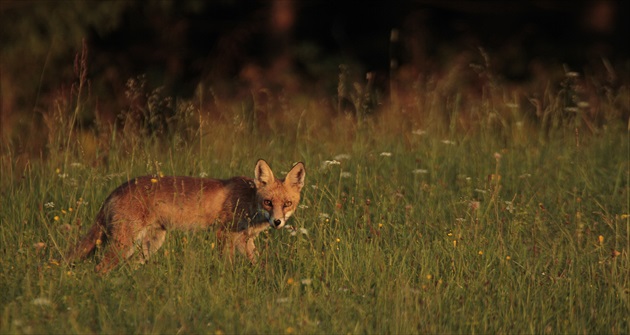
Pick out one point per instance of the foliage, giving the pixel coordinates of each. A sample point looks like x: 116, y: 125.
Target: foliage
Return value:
x: 441, y: 216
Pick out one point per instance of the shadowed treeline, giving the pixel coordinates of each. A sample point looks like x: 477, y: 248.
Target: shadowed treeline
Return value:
x: 257, y: 49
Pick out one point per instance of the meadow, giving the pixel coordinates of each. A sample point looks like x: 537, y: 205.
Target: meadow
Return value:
x: 446, y: 212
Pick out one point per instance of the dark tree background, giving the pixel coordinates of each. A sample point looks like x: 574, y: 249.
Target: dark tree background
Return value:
x: 237, y: 45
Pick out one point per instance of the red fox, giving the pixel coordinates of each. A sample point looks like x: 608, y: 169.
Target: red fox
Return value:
x: 134, y: 218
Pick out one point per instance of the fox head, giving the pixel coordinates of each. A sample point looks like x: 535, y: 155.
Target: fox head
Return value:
x: 278, y: 198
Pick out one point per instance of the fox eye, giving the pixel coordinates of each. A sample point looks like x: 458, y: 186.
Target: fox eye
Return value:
x: 267, y: 202
x: 288, y: 204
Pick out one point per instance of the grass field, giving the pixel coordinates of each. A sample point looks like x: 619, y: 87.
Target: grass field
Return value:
x: 447, y: 216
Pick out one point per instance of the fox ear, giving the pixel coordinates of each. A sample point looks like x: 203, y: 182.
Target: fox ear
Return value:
x: 295, y: 177
x: 263, y: 174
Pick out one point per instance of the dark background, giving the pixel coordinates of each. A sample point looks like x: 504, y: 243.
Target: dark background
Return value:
x: 234, y: 46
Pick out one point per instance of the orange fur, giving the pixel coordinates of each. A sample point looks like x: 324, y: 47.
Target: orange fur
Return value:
x: 135, y: 217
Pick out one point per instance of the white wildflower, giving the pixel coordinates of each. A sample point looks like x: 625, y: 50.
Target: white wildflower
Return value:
x: 292, y: 229
x: 328, y: 163
x: 386, y: 154
x: 49, y: 205
x: 295, y: 231
x: 342, y: 157
x: 509, y: 206
x: 419, y: 132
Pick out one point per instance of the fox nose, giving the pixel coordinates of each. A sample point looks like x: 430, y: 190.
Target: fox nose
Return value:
x: 277, y: 222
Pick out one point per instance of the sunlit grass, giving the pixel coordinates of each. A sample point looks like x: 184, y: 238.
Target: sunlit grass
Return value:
x: 477, y: 221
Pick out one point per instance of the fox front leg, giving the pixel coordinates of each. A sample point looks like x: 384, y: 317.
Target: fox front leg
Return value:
x: 250, y: 250
x: 244, y: 243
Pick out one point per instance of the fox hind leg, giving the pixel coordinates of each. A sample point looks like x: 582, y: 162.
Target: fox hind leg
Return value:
x: 115, y: 253
x: 151, y: 242
x: 145, y: 243
x: 121, y: 245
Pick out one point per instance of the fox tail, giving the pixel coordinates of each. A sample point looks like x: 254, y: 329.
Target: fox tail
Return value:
x: 96, y: 235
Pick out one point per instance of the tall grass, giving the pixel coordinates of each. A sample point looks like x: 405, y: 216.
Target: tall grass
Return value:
x: 447, y: 214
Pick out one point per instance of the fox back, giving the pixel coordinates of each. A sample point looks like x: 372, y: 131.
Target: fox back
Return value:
x: 135, y: 217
